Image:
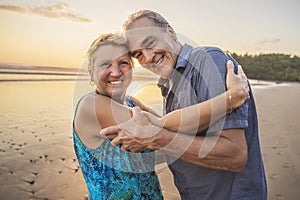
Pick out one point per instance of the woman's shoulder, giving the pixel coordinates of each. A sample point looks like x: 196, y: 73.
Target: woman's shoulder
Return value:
x: 88, y: 101
x: 86, y: 122
x: 86, y: 106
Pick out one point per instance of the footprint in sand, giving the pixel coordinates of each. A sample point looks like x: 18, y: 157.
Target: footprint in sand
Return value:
x: 280, y: 153
x: 76, y: 170
x: 274, y: 177
x: 287, y: 165
x: 279, y: 196
x: 30, y: 182
x: 35, y: 173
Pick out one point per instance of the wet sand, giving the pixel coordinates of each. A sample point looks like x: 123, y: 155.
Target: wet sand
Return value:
x: 38, y: 161
x: 279, y: 114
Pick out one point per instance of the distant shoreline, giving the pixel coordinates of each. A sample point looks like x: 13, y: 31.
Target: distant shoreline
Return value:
x: 139, y: 78
x: 37, y: 68
x: 41, y: 80
x: 10, y: 73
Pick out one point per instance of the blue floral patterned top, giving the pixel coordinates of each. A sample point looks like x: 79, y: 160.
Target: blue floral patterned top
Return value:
x: 112, y: 174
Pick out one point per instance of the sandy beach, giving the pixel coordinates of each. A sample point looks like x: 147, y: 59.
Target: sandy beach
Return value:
x: 38, y: 161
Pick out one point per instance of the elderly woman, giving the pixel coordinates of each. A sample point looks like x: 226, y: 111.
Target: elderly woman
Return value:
x: 109, y: 172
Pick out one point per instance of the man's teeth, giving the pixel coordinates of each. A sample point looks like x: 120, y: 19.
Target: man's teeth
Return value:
x: 159, y: 61
x: 115, y: 82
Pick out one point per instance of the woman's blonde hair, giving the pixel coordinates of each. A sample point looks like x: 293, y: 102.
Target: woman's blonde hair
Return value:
x: 114, y: 39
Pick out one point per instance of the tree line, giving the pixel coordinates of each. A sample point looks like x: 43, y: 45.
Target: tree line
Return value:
x: 274, y: 66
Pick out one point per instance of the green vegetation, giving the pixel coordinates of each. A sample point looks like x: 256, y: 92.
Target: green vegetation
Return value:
x: 275, y: 67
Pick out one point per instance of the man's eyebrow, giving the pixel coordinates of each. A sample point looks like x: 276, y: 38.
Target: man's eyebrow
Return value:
x: 143, y: 45
x: 146, y: 41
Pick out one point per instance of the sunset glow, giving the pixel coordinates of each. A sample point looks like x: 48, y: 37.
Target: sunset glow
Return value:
x: 57, y: 33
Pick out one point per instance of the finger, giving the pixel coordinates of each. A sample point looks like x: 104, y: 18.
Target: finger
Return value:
x: 136, y: 111
x: 109, y: 130
x: 125, y: 147
x: 138, y: 117
x: 138, y: 149
x: 135, y: 149
x: 230, y: 66
x: 112, y: 136
x: 117, y: 140
x: 242, y: 73
x: 135, y: 100
x: 240, y: 70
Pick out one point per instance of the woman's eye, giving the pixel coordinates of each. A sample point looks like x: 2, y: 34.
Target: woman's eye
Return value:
x: 104, y: 65
x: 125, y: 62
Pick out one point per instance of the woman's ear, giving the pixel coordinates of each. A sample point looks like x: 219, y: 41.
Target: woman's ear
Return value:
x: 91, y: 74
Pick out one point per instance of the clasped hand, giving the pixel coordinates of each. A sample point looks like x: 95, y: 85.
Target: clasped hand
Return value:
x: 134, y: 135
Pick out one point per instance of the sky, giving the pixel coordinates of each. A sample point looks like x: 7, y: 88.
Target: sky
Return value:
x: 58, y: 33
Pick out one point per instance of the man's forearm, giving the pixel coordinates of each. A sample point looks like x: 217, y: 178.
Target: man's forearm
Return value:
x: 215, y: 152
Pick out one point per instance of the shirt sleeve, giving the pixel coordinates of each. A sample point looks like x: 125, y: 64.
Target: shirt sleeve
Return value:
x: 212, y: 82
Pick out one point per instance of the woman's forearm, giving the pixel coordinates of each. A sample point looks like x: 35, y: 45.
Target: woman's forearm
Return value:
x: 197, y: 117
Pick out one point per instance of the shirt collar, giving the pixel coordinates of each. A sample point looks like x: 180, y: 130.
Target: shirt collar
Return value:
x: 182, y: 62
x: 183, y: 56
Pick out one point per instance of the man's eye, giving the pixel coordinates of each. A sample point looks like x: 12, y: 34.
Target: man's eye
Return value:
x: 137, y: 55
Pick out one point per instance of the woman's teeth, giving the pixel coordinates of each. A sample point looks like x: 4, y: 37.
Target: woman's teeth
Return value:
x: 115, y: 82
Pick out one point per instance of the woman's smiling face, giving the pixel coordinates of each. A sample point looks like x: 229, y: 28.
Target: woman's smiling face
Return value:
x: 112, y: 70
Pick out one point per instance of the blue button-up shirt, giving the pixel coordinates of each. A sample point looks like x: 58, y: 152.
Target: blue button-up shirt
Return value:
x: 200, y: 75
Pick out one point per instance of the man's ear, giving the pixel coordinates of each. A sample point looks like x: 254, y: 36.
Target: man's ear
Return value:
x: 172, y: 32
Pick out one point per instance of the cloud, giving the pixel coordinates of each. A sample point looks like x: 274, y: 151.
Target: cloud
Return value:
x: 270, y: 41
x: 59, y: 11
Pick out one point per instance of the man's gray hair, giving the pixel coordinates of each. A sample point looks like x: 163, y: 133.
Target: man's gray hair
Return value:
x: 156, y: 18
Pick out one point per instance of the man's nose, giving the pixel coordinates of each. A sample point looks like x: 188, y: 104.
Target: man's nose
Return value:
x: 148, y: 56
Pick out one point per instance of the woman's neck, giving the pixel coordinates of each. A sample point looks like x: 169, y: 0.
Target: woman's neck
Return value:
x: 119, y: 99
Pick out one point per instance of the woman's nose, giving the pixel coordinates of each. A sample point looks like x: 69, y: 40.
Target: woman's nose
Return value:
x: 115, y: 70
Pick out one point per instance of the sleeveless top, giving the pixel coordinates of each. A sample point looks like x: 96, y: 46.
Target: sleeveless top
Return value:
x: 112, y: 174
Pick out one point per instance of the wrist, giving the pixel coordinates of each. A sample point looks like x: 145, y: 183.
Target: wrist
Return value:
x: 229, y: 103
x: 161, y: 139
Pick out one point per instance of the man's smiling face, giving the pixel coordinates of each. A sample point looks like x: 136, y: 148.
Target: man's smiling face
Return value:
x: 154, y: 47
